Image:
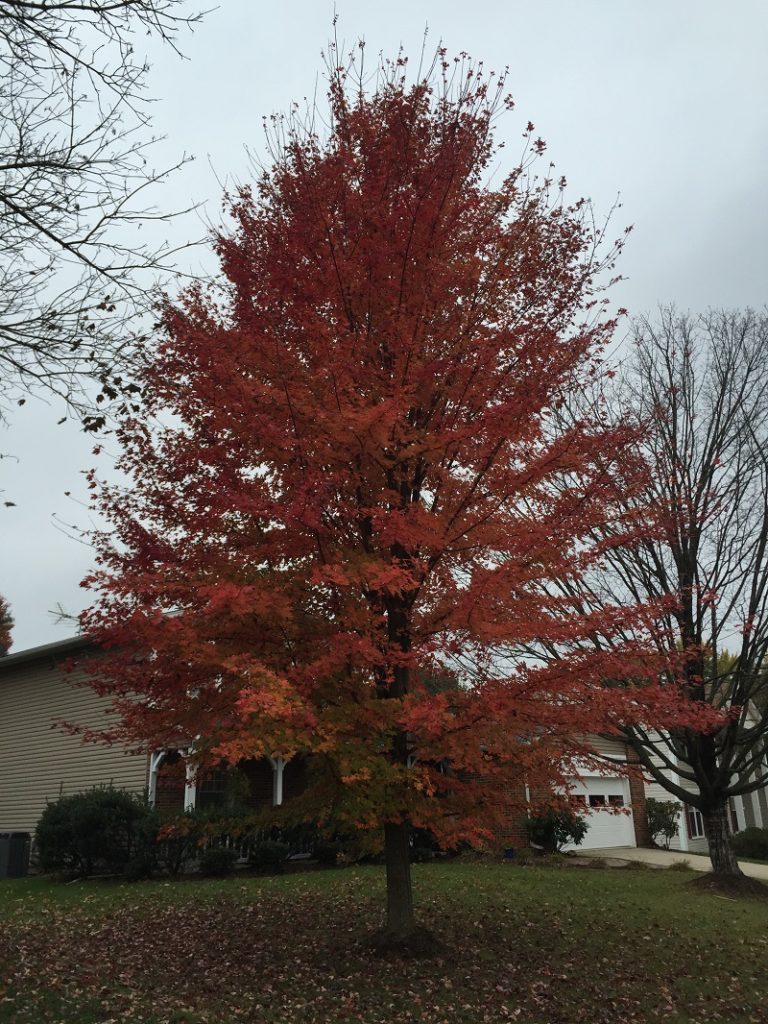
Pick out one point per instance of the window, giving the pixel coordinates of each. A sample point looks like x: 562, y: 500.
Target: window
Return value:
x: 616, y: 801
x: 734, y: 821
x: 695, y: 823
x: 596, y: 800
x: 211, y: 788
x: 579, y: 800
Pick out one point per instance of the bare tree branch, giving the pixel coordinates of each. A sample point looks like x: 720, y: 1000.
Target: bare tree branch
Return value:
x: 76, y: 275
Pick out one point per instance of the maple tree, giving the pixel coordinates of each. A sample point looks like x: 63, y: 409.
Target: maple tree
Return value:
x: 6, y: 625
x: 360, y: 485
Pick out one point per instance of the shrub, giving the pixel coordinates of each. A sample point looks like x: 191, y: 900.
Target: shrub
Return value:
x: 752, y: 843
x: 662, y: 820
x: 179, y: 840
x: 680, y: 865
x: 269, y: 856
x: 553, y: 829
x: 142, y: 866
x: 301, y: 837
x: 218, y: 862
x: 101, y: 828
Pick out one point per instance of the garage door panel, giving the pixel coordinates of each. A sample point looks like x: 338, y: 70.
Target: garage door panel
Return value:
x: 607, y: 827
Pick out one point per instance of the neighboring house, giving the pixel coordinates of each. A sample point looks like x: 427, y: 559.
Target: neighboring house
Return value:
x: 746, y: 811
x: 40, y: 762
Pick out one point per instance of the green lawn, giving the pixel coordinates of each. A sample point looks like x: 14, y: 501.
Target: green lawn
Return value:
x: 524, y: 944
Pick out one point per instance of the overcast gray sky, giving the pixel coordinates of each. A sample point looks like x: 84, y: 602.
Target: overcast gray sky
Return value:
x: 663, y: 102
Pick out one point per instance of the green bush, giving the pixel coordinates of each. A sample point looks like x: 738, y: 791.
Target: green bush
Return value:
x: 662, y: 820
x: 218, y: 862
x: 269, y: 856
x: 752, y: 843
x: 142, y: 866
x: 100, y: 829
x: 179, y: 840
x: 553, y: 829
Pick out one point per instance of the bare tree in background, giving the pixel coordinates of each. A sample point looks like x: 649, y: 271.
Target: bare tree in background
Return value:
x: 6, y: 625
x: 74, y: 173
x: 701, y: 385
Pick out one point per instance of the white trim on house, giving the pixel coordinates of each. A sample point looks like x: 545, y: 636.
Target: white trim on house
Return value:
x: 190, y: 785
x: 278, y: 767
x: 156, y: 758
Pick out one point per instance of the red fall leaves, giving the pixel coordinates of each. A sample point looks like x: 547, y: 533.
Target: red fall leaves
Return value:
x: 350, y: 478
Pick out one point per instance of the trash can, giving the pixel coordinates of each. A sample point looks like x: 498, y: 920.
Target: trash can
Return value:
x: 14, y: 854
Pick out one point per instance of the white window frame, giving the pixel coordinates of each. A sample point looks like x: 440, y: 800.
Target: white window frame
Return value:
x: 694, y: 822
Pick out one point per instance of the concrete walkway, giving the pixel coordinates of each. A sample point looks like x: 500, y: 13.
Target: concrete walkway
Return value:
x: 663, y: 858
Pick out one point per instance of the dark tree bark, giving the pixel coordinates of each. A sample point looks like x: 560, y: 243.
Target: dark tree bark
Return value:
x: 401, y: 922
x: 718, y: 834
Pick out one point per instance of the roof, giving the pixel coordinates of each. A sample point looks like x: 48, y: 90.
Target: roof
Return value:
x: 58, y: 649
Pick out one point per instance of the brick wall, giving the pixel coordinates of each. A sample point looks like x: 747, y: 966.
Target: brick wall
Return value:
x: 637, y: 798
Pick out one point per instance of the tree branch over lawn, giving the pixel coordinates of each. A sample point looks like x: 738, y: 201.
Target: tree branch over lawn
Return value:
x: 75, y: 184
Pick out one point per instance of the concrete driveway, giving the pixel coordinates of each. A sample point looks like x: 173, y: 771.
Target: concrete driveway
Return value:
x: 663, y: 859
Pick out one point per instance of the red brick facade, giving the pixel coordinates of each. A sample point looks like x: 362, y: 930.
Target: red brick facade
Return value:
x: 637, y: 797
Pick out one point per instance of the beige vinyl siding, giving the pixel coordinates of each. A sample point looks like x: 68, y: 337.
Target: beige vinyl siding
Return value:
x: 657, y: 792
x: 615, y: 749
x: 39, y: 761
x: 653, y: 789
x: 752, y: 808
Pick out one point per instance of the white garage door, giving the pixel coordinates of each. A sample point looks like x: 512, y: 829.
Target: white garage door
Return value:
x: 601, y: 797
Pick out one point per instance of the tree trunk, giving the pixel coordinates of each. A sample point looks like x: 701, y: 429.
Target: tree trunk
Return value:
x: 402, y: 936
x: 721, y: 854
x: 401, y: 922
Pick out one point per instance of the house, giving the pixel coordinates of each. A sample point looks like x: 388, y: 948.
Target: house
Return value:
x: 40, y: 762
x: 745, y: 811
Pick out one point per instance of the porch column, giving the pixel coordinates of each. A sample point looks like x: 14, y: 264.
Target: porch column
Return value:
x: 278, y: 764
x: 682, y: 817
x: 682, y: 827
x: 190, y: 787
x: 155, y: 760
